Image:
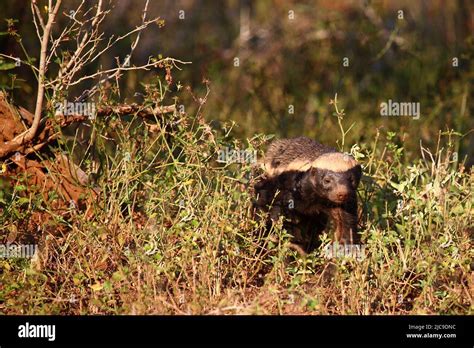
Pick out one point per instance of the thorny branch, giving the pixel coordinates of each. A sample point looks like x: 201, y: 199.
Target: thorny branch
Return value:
x: 90, y: 45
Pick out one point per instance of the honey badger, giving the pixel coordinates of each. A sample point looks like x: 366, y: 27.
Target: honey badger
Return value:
x: 310, y: 183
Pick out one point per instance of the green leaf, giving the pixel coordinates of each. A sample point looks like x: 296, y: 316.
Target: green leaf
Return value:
x: 97, y: 286
x: 20, y: 187
x: 118, y: 276
x: 7, y: 66
x: 23, y: 200
x: 458, y: 210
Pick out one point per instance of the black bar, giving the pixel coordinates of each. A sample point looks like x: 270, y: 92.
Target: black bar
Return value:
x: 257, y: 330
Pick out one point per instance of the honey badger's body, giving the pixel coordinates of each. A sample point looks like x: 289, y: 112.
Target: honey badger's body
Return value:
x: 309, y: 184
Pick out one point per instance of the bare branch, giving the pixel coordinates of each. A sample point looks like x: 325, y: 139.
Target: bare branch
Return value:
x: 19, y: 140
x: 35, y: 10
x: 115, y: 71
x: 22, y: 61
x: 127, y: 109
x: 90, y: 45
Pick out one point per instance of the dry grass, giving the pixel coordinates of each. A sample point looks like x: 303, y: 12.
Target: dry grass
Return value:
x: 172, y: 233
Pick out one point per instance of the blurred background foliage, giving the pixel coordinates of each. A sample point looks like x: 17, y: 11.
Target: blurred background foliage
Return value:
x: 274, y: 66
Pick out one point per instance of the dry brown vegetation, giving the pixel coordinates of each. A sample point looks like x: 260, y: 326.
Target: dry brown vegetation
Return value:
x: 133, y: 214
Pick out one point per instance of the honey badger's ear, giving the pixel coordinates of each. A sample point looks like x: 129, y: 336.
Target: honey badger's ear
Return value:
x: 313, y: 176
x: 357, y: 173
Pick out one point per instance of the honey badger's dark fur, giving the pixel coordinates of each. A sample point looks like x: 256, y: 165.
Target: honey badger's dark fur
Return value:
x: 309, y: 184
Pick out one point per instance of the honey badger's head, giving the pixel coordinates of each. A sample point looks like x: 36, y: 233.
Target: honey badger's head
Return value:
x: 333, y: 177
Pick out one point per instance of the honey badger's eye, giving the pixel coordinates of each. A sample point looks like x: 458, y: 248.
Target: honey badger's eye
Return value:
x: 326, y: 181
x: 353, y: 182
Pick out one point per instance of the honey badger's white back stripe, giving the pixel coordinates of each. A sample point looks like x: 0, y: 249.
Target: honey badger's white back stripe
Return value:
x: 334, y: 161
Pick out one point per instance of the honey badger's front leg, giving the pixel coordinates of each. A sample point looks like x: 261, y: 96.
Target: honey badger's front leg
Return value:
x: 345, y: 221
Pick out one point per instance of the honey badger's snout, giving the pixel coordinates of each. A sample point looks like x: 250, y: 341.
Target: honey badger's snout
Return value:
x: 342, y: 193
